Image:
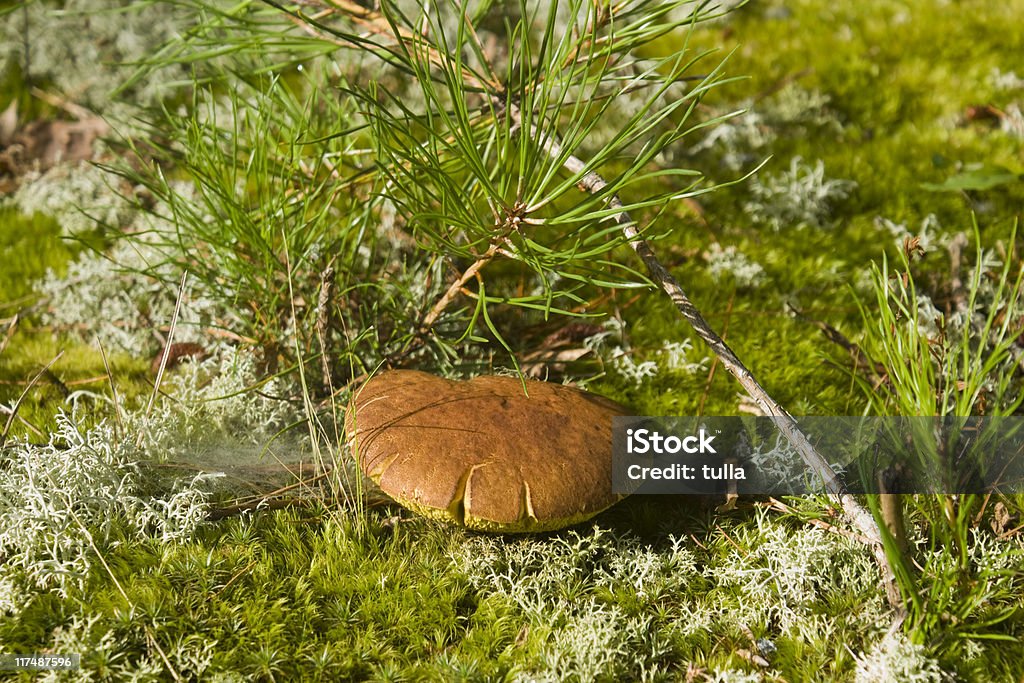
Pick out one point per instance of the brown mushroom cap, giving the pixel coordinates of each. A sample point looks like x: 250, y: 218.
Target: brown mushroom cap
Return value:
x: 483, y: 454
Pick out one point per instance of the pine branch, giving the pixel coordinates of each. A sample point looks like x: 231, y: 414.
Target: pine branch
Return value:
x: 856, y: 514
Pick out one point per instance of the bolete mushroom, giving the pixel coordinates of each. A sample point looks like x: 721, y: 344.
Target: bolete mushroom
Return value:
x: 483, y: 453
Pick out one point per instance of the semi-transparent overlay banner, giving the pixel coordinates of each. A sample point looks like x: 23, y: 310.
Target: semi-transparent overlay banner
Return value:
x: 751, y: 455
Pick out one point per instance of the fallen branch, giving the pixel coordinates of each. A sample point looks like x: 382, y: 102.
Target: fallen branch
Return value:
x: 856, y: 514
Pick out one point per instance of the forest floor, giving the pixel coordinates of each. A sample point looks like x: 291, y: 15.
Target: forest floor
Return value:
x: 884, y: 127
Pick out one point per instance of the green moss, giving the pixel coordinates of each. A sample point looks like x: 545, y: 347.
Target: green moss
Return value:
x: 80, y: 368
x: 328, y: 596
x: 369, y: 598
x: 29, y: 247
x: 899, y: 80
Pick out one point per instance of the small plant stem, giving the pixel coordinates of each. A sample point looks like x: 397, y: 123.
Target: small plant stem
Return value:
x: 4, y: 410
x: 11, y: 329
x: 76, y: 110
x: 21, y: 399
x: 164, y: 356
x: 323, y: 324
x: 714, y: 363
x: 113, y: 388
x: 456, y: 287
x: 312, y: 422
x: 779, y: 506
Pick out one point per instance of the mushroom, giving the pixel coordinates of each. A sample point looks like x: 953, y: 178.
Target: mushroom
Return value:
x: 485, y: 453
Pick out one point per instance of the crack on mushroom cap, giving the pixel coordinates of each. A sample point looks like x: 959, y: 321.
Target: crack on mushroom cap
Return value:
x: 482, y: 453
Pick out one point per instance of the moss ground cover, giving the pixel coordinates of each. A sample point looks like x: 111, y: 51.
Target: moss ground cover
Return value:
x: 872, y: 115
x: 877, y: 98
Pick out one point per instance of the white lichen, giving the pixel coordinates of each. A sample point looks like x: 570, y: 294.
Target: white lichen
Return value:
x: 611, y: 345
x: 556, y: 583
x: 743, y: 139
x: 80, y: 196
x: 1005, y: 80
x: 724, y: 262
x: 738, y: 140
x: 894, y: 658
x: 87, y: 48
x: 783, y: 575
x: 1012, y: 121
x: 217, y: 416
x: 799, y: 197
x: 59, y: 501
x: 90, y: 637
x: 107, y: 297
x: 678, y: 358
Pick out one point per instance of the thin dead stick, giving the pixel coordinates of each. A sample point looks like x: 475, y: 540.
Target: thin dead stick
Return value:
x: 856, y: 514
x: 21, y: 399
x: 113, y: 388
x: 593, y: 183
x: 76, y: 110
x: 779, y: 506
x: 457, y: 286
x: 11, y: 329
x: 861, y: 360
x: 322, y: 330
x: 323, y: 322
x: 164, y: 355
x: 67, y: 384
x: 28, y: 425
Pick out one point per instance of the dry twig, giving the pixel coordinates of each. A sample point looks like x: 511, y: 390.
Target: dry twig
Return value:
x: 856, y: 514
